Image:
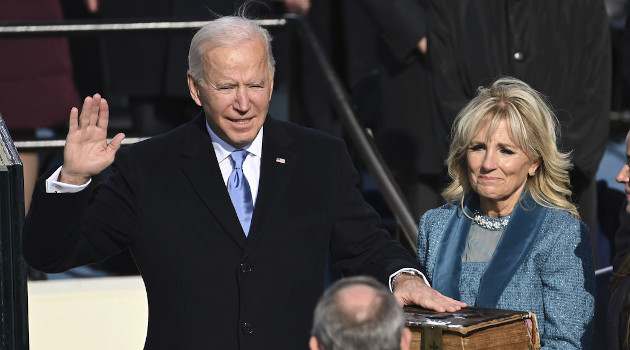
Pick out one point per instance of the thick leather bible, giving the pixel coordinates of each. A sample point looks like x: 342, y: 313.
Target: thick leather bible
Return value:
x: 472, y: 328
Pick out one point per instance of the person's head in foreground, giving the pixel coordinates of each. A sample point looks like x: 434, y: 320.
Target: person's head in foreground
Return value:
x: 359, y: 313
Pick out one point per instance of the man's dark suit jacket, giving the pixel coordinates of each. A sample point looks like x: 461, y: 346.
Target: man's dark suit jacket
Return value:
x: 208, y: 286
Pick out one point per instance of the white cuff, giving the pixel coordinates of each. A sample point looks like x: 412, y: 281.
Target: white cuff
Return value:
x: 409, y: 271
x: 54, y: 186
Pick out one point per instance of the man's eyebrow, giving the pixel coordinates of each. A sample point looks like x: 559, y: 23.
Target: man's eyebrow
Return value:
x: 232, y: 83
x: 222, y: 84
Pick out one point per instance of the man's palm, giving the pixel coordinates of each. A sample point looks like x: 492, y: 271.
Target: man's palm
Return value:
x: 87, y: 152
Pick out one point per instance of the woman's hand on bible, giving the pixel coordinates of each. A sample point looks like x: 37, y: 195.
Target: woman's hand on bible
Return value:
x: 411, y: 290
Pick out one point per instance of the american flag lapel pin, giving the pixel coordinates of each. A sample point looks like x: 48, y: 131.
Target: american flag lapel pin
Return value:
x: 280, y: 160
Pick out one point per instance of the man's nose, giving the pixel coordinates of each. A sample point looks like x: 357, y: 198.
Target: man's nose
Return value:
x: 624, y: 174
x: 241, y: 100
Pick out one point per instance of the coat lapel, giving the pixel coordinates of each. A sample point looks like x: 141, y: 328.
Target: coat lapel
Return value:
x: 513, y: 248
x: 449, y: 259
x: 200, y: 165
x: 277, y: 164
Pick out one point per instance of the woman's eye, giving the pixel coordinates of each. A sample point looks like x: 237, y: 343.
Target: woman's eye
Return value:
x: 476, y: 148
x: 507, y: 151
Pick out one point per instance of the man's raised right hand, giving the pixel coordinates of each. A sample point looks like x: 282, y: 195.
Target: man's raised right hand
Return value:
x: 87, y: 152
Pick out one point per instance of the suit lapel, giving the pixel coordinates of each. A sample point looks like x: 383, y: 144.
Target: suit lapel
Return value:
x: 277, y: 164
x: 201, y: 167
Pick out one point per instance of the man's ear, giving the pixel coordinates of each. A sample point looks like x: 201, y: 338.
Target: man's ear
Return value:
x: 405, y: 339
x: 193, y: 87
x: 313, y: 344
x: 271, y: 90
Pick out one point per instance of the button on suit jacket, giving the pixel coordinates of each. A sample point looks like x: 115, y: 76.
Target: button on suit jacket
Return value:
x: 208, y: 286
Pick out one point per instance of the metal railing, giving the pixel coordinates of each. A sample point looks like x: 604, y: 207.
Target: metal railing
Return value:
x: 44, y: 145
x: 66, y: 28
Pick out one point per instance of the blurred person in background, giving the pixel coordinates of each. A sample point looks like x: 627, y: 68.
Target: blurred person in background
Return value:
x: 406, y: 109
x: 36, y: 82
x: 561, y: 48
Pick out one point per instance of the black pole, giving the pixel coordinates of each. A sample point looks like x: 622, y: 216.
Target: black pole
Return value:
x: 371, y: 156
x: 13, y: 291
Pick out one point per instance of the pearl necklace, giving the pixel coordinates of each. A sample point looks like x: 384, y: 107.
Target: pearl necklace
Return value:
x: 489, y: 223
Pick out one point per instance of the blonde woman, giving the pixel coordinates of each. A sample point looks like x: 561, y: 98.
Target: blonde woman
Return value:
x: 510, y: 238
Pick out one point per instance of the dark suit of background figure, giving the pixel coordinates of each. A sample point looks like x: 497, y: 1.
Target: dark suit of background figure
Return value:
x: 560, y: 48
x: 622, y: 238
x: 405, y: 130
x: 309, y: 92
x: 149, y: 70
x: 618, y: 316
x: 209, y: 286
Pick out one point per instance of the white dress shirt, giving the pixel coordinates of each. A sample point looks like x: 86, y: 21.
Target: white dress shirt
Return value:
x: 251, y: 165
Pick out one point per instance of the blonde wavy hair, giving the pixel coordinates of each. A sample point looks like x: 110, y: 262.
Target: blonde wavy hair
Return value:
x: 532, y: 126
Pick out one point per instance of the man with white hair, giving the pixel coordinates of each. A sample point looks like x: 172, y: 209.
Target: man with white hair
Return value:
x: 231, y: 218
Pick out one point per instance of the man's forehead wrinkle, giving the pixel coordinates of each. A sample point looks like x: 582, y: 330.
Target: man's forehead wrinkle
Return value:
x: 255, y: 72
x: 231, y: 64
x: 223, y: 80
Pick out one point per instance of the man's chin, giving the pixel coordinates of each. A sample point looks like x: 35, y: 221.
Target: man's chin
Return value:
x: 240, y: 142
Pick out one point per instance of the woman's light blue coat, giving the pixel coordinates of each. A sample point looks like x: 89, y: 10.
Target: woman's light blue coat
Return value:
x: 555, y: 278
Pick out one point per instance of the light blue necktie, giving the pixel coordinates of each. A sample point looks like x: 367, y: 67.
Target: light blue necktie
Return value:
x: 239, y: 190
